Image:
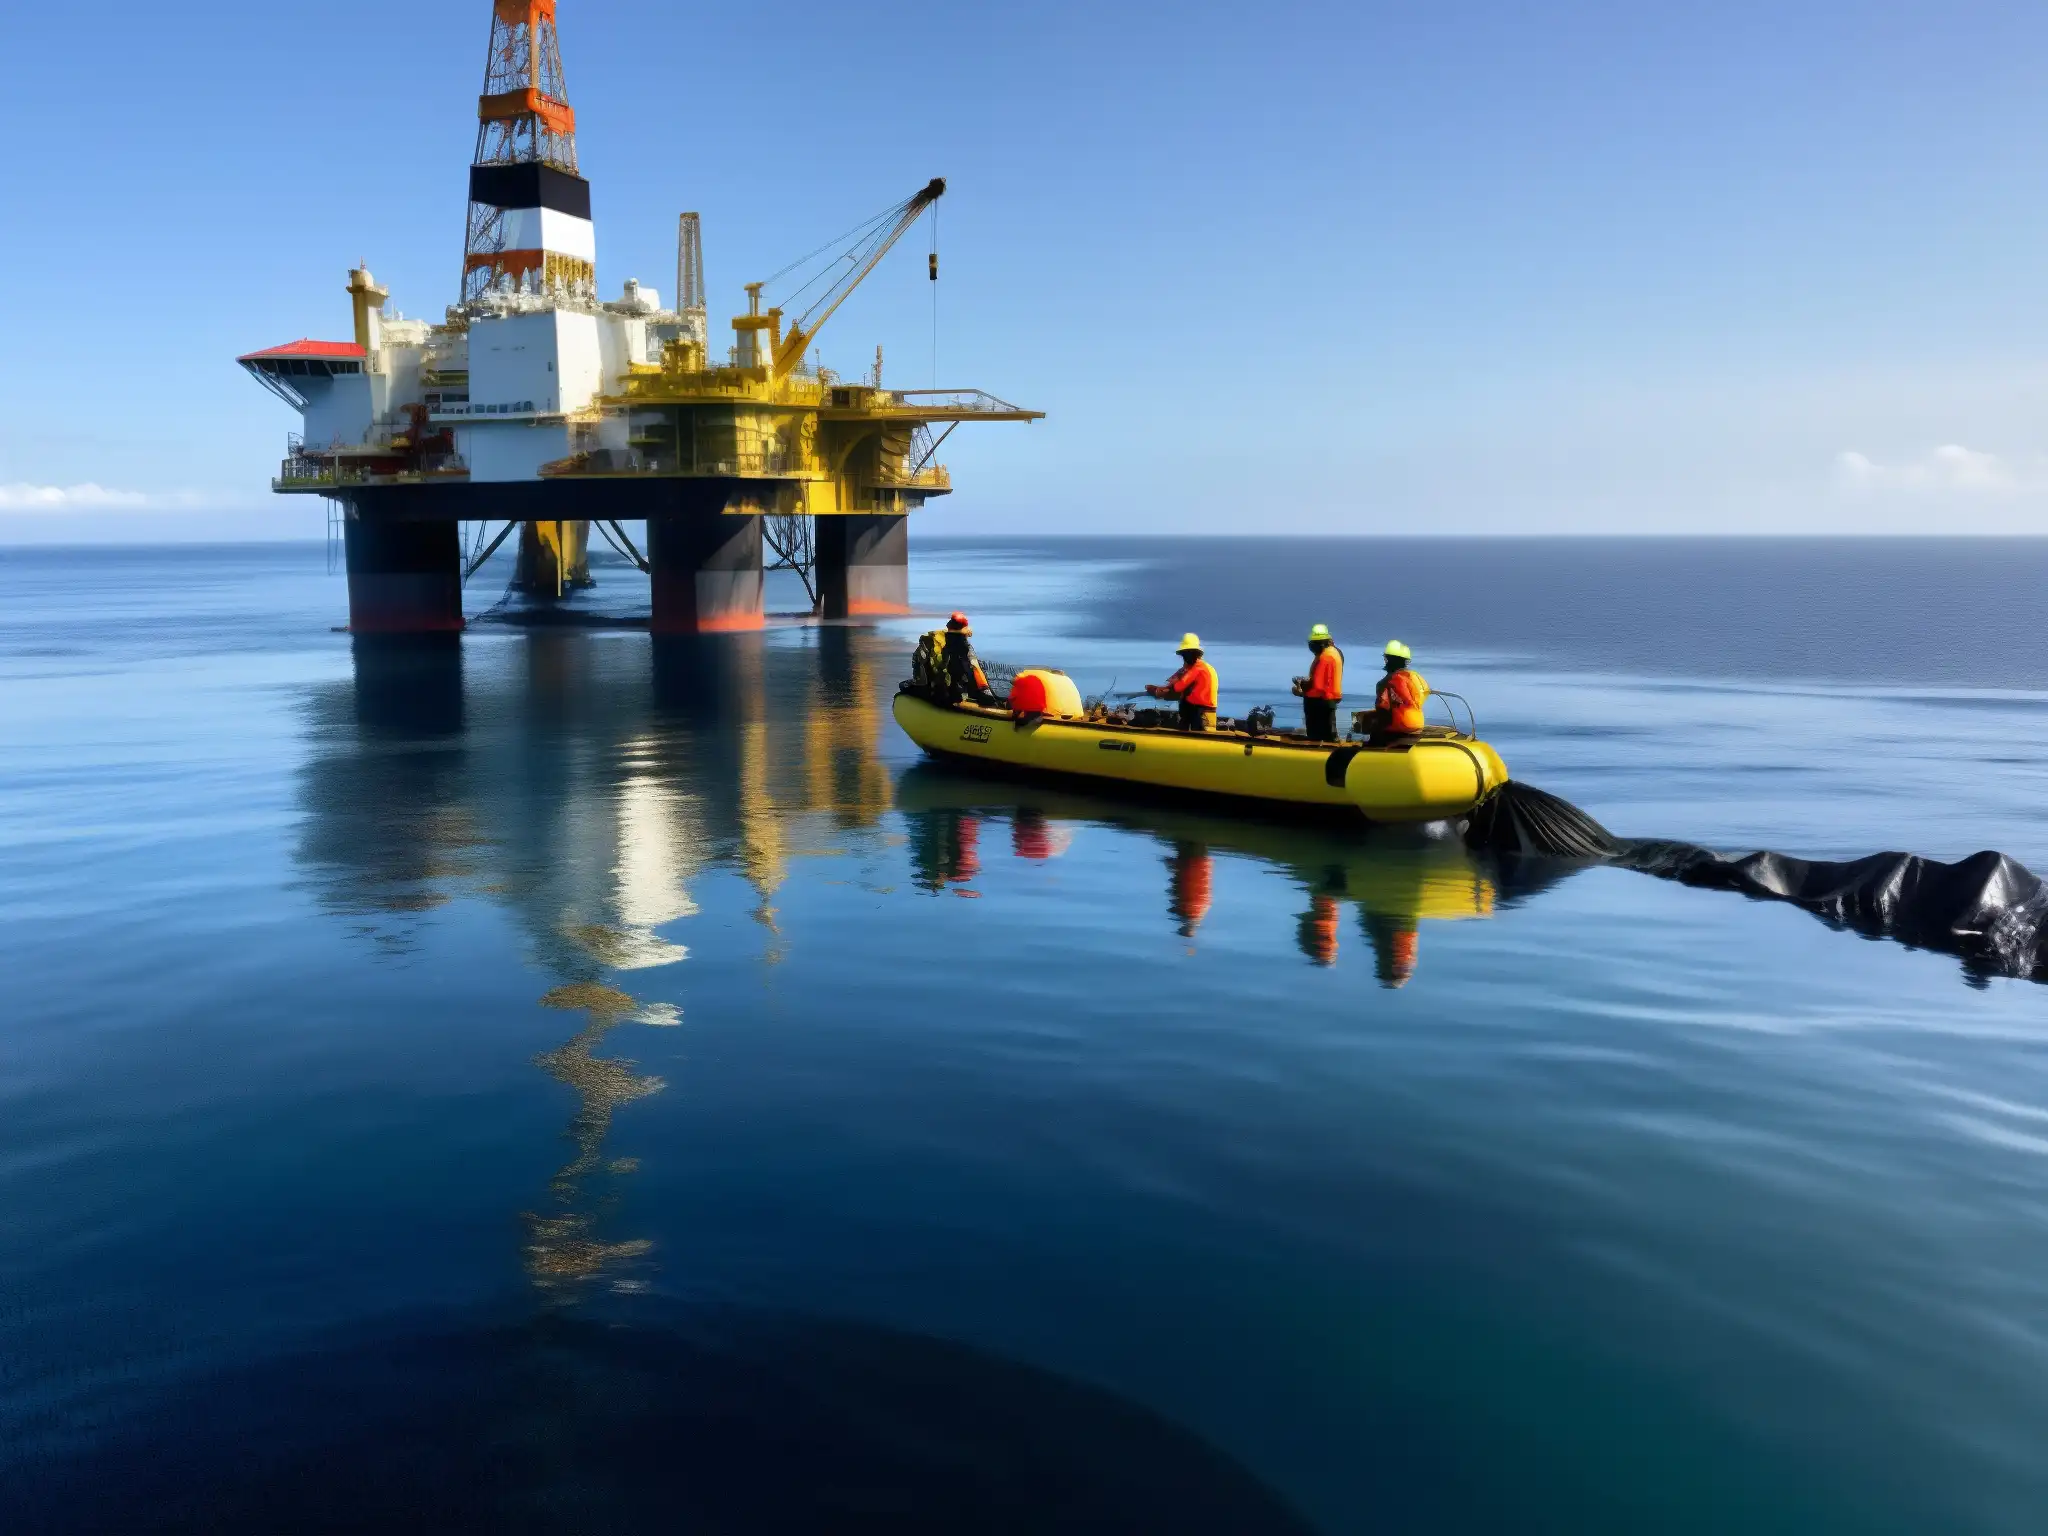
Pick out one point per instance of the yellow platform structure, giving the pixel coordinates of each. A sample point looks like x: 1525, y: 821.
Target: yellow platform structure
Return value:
x: 765, y: 433
x: 796, y: 437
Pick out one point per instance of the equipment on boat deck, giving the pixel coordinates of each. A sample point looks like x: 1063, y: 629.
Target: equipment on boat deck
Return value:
x: 1045, y: 691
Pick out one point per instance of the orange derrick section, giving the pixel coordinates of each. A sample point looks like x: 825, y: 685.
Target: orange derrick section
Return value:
x: 512, y: 263
x: 525, y: 13
x: 519, y: 264
x: 558, y: 117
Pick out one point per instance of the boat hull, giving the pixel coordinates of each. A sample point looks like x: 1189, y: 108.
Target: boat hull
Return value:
x: 1433, y: 778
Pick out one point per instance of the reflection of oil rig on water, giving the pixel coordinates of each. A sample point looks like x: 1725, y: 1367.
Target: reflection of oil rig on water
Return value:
x: 538, y: 406
x: 725, y: 765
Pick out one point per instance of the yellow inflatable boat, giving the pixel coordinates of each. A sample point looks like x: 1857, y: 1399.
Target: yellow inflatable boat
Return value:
x: 1440, y: 774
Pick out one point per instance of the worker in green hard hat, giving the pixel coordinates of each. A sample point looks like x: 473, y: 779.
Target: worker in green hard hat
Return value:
x: 1194, y: 685
x: 1323, y: 689
x: 1397, y: 705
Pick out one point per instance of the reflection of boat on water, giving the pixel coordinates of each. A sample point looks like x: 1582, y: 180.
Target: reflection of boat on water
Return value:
x: 1396, y: 879
x: 1437, y: 775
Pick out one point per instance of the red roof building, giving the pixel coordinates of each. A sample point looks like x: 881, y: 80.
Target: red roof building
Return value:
x: 302, y: 348
x: 276, y: 367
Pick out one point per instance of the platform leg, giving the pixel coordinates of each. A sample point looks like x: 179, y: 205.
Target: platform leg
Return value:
x: 576, y: 552
x: 863, y: 565
x: 554, y: 555
x: 706, y: 572
x: 404, y: 577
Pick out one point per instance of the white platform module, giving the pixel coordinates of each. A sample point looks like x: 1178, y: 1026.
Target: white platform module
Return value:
x: 337, y: 410
x: 510, y: 450
x: 543, y: 363
x: 544, y: 229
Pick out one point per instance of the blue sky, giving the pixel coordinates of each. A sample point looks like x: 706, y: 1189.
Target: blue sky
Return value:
x: 1318, y: 268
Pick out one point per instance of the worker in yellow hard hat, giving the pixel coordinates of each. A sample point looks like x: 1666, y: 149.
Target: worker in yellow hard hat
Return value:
x: 1323, y: 689
x: 1397, y: 704
x: 1194, y: 685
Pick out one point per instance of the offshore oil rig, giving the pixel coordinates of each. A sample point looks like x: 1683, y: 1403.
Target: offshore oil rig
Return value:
x: 538, y: 405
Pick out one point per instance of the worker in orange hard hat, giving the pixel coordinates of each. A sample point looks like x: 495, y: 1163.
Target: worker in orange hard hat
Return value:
x: 1194, y: 685
x: 964, y: 677
x: 1323, y: 689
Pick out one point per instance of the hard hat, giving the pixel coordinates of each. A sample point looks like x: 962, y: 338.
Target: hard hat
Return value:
x: 1189, y: 642
x: 957, y: 621
x: 1320, y: 632
x: 1396, y: 648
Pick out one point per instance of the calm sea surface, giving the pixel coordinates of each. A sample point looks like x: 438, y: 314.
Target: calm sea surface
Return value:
x: 560, y: 1082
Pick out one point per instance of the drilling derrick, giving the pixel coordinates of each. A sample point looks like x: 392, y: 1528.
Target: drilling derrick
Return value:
x: 529, y: 209
x: 690, y: 277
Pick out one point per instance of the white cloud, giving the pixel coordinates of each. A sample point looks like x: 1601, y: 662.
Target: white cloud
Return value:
x: 1950, y: 467
x: 24, y: 497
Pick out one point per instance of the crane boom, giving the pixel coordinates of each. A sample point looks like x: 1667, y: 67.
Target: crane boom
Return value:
x: 791, y: 350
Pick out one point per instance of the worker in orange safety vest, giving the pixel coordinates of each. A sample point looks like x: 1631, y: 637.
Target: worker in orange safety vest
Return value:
x: 1397, y: 706
x: 1323, y: 689
x: 1194, y: 685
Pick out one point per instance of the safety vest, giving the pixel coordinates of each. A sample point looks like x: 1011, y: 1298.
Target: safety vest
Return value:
x: 1194, y: 684
x: 1326, y: 677
x: 928, y: 663
x: 1400, y: 696
x: 963, y: 668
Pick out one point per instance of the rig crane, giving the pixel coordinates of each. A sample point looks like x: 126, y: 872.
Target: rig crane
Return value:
x: 873, y: 241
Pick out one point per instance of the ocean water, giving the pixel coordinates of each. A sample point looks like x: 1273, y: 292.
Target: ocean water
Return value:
x: 558, y: 1081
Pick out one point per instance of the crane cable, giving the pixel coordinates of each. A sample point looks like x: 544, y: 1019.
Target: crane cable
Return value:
x: 859, y: 240
x: 935, y: 295
x: 893, y: 211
